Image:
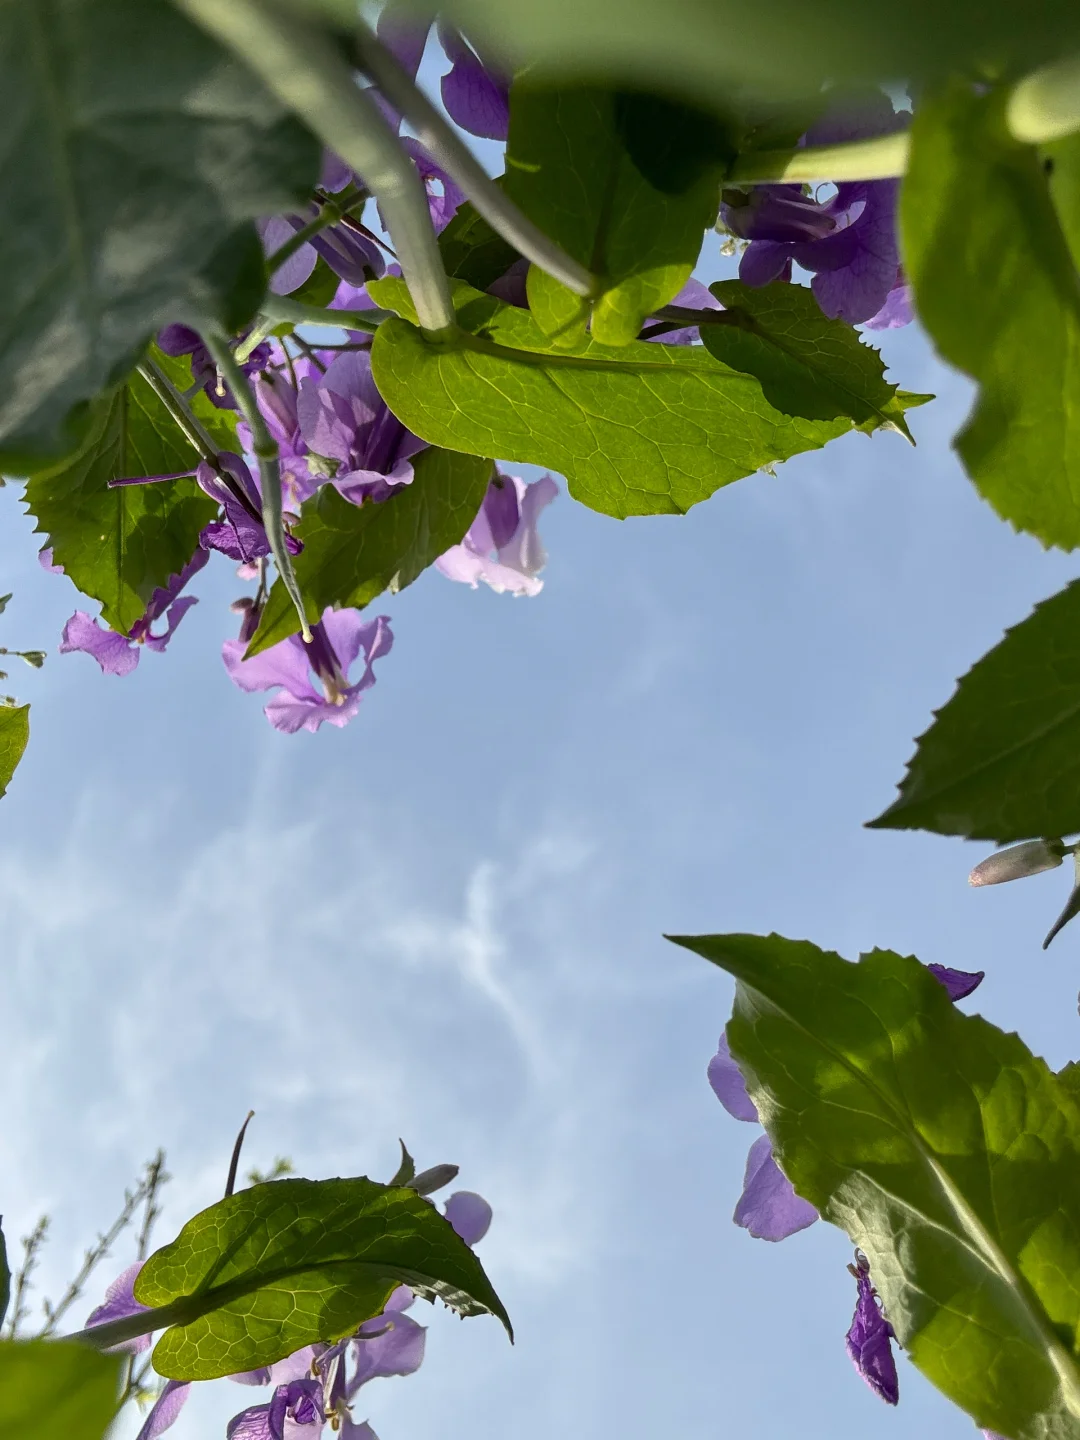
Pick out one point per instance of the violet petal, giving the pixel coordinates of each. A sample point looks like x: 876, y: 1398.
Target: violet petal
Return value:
x: 768, y: 1206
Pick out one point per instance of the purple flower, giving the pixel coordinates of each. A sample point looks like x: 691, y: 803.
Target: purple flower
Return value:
x: 958, y: 983
x: 241, y: 535
x: 848, y: 242
x: 693, y: 296
x: 118, y: 1304
x: 344, y: 420
x: 296, y: 1406
x: 117, y: 653
x: 768, y: 1206
x: 469, y: 1214
x: 337, y: 640
x: 502, y: 546
x: 869, y: 1337
x: 476, y: 98
x: 166, y: 1409
x: 390, y: 1344
x: 180, y: 340
x: 444, y: 197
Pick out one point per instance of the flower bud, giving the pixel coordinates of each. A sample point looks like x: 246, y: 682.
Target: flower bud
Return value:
x: 1018, y: 861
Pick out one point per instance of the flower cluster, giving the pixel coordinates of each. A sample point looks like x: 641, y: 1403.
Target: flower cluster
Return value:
x: 770, y: 1209
x: 319, y: 1384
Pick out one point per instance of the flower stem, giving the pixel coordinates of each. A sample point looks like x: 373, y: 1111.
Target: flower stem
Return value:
x: 180, y: 411
x: 280, y: 308
x: 880, y: 158
x: 450, y: 151
x: 304, y: 68
x: 265, y: 449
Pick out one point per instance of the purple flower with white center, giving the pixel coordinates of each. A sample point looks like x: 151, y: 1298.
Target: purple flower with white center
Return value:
x: 118, y: 654
x: 344, y: 420
x: 337, y: 640
x: 868, y: 1340
x: 181, y: 340
x: 502, y: 546
x: 848, y: 242
x: 242, y: 534
x: 476, y: 96
x: 768, y: 1206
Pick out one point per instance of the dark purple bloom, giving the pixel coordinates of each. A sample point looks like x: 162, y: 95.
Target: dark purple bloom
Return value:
x: 848, y: 241
x: 297, y: 1401
x: 241, y: 535
x: 338, y: 640
x: 118, y: 654
x: 502, y: 546
x: 476, y: 98
x: 958, y: 983
x: 768, y: 1206
x: 869, y: 1337
x: 343, y: 419
x: 469, y: 1214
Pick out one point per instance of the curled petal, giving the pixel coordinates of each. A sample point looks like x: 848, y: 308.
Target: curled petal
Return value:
x: 469, y: 1214
x: 768, y: 1206
x: 958, y: 983
x: 728, y: 1084
x: 113, y: 652
x: 868, y: 1341
x: 1017, y: 862
x: 389, y: 1344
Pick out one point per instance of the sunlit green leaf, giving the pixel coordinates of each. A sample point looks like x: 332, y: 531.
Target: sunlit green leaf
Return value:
x: 996, y: 286
x: 55, y: 1388
x: 281, y: 1266
x: 1002, y: 759
x: 948, y: 1153
x: 641, y: 429
x: 14, y: 733
x: 352, y: 553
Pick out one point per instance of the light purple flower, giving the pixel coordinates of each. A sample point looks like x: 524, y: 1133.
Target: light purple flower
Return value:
x: 848, y: 241
x: 693, y: 296
x: 898, y: 310
x: 469, y: 1214
x: 338, y: 639
x: 868, y: 1340
x: 118, y: 654
x: 476, y: 98
x: 241, y: 535
x: 45, y: 560
x: 502, y: 546
x: 343, y: 419
x: 166, y: 1409
x: 390, y: 1344
x: 118, y: 1304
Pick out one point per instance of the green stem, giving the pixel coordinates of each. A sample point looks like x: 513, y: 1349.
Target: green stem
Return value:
x: 450, y: 151
x: 180, y: 411
x: 304, y: 68
x: 265, y: 450
x: 101, y: 1337
x: 880, y: 158
x: 280, y: 308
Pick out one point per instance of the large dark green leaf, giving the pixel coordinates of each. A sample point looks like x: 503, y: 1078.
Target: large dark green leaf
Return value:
x: 947, y: 1152
x: 996, y: 286
x: 284, y: 1265
x: 119, y: 545
x: 641, y: 429
x: 352, y: 553
x: 135, y: 151
x: 14, y: 733
x: 568, y: 168
x: 808, y: 365
x: 55, y: 1388
x: 1002, y: 759
x: 702, y: 48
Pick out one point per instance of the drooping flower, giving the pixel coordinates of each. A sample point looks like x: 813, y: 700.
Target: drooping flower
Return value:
x: 868, y: 1340
x: 345, y: 421
x: 242, y: 534
x: 848, y: 241
x: 337, y: 640
x: 181, y: 340
x: 502, y: 546
x: 117, y: 653
x: 476, y: 96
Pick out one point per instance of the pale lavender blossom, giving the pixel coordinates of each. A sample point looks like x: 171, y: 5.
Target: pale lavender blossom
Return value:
x: 288, y: 667
x: 868, y: 1340
x: 117, y: 653
x: 469, y: 1214
x: 502, y: 546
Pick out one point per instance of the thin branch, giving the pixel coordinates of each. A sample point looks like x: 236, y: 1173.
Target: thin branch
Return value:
x: 450, y: 151
x: 281, y: 309
x: 303, y: 66
x: 230, y: 1183
x: 265, y: 450
x: 31, y: 1244
x: 180, y: 410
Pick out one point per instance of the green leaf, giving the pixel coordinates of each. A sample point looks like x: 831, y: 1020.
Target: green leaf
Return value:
x: 674, y: 145
x: 996, y: 286
x: 52, y: 1388
x: 808, y: 365
x: 406, y: 1171
x: 1061, y: 165
x: 319, y: 288
x: 120, y: 545
x: 644, y: 429
x: 281, y: 1266
x: 352, y: 553
x: 14, y: 733
x: 569, y: 170
x: 472, y: 251
x: 137, y: 152
x: 948, y: 1153
x: 705, y: 48
x: 1002, y: 759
